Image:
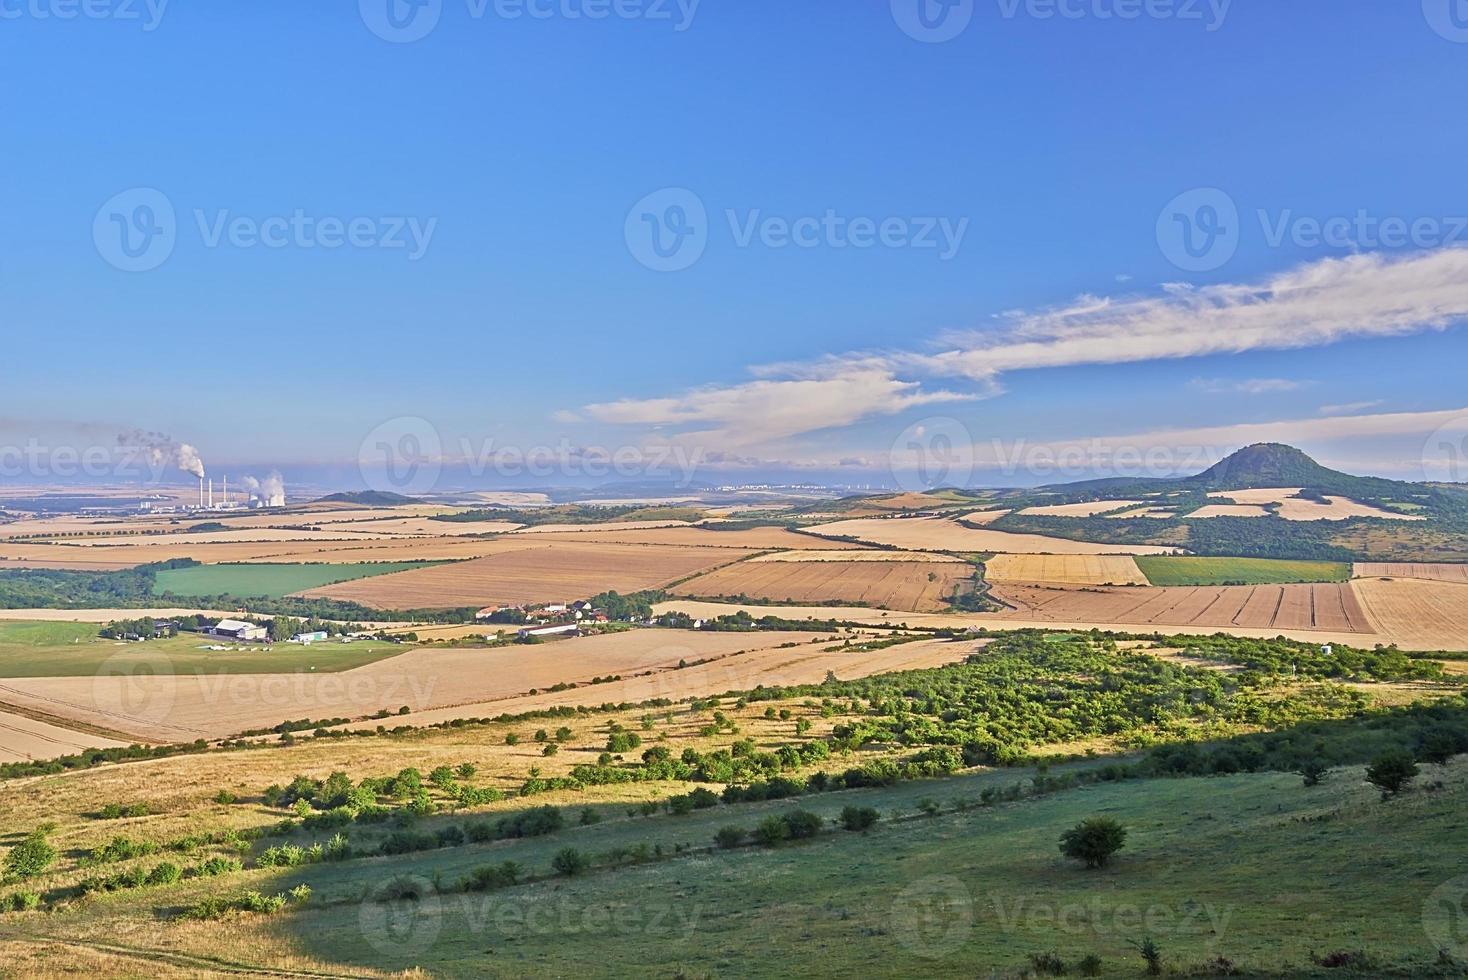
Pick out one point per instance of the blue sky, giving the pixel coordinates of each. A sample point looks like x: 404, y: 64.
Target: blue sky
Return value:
x: 518, y: 148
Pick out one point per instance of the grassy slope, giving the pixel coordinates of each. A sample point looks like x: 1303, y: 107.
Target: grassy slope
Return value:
x: 1170, y: 570
x: 272, y: 581
x: 1257, y: 868
x: 75, y: 650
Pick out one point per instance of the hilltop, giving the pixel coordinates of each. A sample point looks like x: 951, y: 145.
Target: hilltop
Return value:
x: 368, y: 498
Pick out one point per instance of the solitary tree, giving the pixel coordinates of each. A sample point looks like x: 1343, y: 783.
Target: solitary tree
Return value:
x: 1391, y: 772
x: 1313, y: 770
x: 1093, y: 840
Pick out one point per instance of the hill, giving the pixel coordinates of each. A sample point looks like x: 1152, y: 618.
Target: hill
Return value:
x: 368, y: 498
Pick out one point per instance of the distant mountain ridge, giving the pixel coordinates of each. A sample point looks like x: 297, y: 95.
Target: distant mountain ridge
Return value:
x: 368, y: 498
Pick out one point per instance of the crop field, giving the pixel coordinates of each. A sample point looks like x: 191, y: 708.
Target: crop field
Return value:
x: 1229, y: 510
x: 1071, y: 569
x: 1425, y: 614
x: 904, y: 586
x: 204, y: 703
x: 1088, y: 509
x: 1293, y: 508
x: 1304, y: 607
x: 23, y: 738
x: 1182, y: 570
x: 693, y: 536
x: 541, y: 572
x: 844, y: 555
x: 51, y: 649
x: 269, y: 580
x: 1431, y: 571
x: 943, y: 534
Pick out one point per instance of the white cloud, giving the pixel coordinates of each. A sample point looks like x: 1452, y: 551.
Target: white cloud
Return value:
x: 1349, y: 407
x: 1314, y: 305
x: 1248, y: 386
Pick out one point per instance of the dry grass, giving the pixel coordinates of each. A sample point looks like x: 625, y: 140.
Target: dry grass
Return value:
x: 1421, y: 614
x: 943, y: 534
x: 1088, y: 509
x: 1072, y: 569
x: 843, y: 555
x: 1299, y: 607
x: 906, y: 586
x: 1430, y: 571
x: 540, y: 572
x: 24, y: 738
x: 693, y: 536
x: 186, y: 707
x: 1293, y: 508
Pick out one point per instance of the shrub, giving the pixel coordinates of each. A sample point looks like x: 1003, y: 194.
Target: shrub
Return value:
x: 1093, y: 840
x: 771, y: 831
x: 21, y: 902
x: 30, y: 857
x: 802, y: 823
x: 224, y: 796
x: 1047, y: 964
x: 729, y: 837
x: 216, y: 866
x: 492, y: 877
x: 550, y: 749
x: 1313, y: 770
x: 1390, y: 772
x: 570, y: 862
x: 165, y: 874
x: 858, y: 818
x: 1090, y: 965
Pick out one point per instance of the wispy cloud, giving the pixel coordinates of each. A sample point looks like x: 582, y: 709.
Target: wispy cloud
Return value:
x: 1320, y: 303
x: 1348, y: 407
x: 1248, y: 386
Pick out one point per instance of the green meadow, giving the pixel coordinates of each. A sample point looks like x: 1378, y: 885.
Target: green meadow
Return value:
x: 1179, y: 570
x: 268, y: 580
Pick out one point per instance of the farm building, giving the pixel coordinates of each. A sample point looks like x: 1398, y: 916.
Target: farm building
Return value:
x: 235, y: 630
x: 563, y: 629
x: 306, y: 639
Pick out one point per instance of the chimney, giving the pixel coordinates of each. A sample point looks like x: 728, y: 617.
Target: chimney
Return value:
x: 211, y: 493
x: 226, y: 491
x: 201, y: 493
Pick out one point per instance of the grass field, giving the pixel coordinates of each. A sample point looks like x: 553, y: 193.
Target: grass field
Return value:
x: 1176, y: 570
x: 31, y: 649
x: 270, y: 581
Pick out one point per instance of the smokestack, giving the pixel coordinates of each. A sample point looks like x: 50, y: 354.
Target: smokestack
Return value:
x: 211, y: 493
x: 226, y: 491
x: 201, y: 492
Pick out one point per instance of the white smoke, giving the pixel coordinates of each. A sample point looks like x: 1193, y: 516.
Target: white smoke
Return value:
x: 269, y: 492
x: 160, y: 449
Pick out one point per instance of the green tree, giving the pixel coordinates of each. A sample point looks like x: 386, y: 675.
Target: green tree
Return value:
x: 1093, y: 840
x: 30, y: 857
x: 570, y: 862
x: 1390, y: 772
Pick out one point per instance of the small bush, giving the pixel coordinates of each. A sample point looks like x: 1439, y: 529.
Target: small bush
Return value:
x: 729, y: 837
x: 1093, y: 840
x: 30, y: 857
x: 858, y: 818
x: 570, y: 862
x: 492, y: 877
x: 1391, y: 772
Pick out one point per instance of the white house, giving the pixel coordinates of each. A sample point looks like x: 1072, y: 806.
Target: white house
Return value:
x: 236, y: 630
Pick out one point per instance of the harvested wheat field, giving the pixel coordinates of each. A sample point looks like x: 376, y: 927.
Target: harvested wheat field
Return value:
x: 190, y: 706
x: 593, y: 528
x: 23, y: 738
x: 802, y: 662
x: 1430, y: 571
x: 1420, y: 614
x: 696, y: 536
x: 1229, y: 510
x: 1088, y: 509
x: 1071, y: 569
x: 128, y: 555
x: 1293, y: 508
x: 906, y: 586
x: 942, y: 534
x: 1303, y: 607
x: 545, y: 572
x: 1158, y: 512
x: 870, y: 554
